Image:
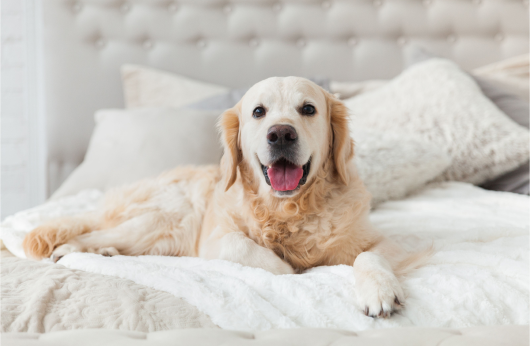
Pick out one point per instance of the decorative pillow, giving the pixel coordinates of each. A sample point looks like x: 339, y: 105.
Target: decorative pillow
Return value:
x: 345, y: 90
x: 513, y: 74
x: 221, y: 102
x: 231, y: 98
x: 392, y: 167
x: 148, y: 87
x: 128, y: 145
x: 512, y: 105
x: 441, y: 104
x: 145, y: 87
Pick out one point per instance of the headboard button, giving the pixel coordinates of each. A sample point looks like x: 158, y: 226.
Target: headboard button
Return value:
x: 125, y: 7
x: 451, y: 38
x: 301, y: 43
x: 326, y: 5
x: 352, y: 41
x: 201, y: 43
x: 172, y: 7
x: 253, y: 42
x: 378, y: 3
x: 402, y: 41
x: 100, y: 43
x: 277, y: 7
x: 147, y: 44
x: 227, y: 9
x: 77, y: 7
x: 427, y: 2
x: 499, y: 37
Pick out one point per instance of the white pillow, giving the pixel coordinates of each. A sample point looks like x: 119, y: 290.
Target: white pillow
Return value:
x: 128, y: 145
x: 147, y: 87
x: 441, y: 104
x: 512, y: 73
x: 392, y: 167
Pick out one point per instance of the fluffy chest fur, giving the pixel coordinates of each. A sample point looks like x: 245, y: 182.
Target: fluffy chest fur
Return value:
x: 327, y: 225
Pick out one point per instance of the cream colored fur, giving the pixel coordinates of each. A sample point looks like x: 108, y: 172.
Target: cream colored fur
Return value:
x: 231, y: 213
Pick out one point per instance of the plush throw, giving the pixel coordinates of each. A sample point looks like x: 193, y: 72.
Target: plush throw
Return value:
x: 128, y: 145
x: 439, y: 103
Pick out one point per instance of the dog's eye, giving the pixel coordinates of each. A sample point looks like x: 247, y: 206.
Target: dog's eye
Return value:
x: 308, y: 110
x: 258, y: 112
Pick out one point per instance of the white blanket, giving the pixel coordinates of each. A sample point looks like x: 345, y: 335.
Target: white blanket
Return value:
x: 479, y: 276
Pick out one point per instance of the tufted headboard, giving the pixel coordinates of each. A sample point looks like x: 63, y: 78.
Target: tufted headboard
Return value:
x: 239, y: 42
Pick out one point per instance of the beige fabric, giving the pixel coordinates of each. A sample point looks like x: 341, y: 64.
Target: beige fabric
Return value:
x: 128, y: 145
x: 512, y: 73
x: 42, y: 297
x: 441, y: 104
x: 148, y: 87
x: 477, y: 336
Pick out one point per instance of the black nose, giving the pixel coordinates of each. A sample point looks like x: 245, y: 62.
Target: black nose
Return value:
x: 281, y: 136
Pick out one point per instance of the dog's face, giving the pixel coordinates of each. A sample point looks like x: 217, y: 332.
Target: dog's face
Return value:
x: 286, y: 129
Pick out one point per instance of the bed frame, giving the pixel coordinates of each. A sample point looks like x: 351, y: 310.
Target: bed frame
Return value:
x: 239, y: 42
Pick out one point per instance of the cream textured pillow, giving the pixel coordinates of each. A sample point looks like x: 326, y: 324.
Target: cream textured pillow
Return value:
x: 439, y: 103
x: 147, y: 87
x: 392, y: 167
x: 128, y: 145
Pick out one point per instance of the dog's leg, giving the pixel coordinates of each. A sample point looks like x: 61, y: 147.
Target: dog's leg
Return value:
x: 237, y: 247
x: 41, y: 242
x: 153, y: 233
x: 378, y: 289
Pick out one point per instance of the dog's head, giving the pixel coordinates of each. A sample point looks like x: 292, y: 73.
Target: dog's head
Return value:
x: 284, y: 130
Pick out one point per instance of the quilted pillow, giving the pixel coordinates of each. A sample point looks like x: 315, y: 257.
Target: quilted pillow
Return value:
x: 441, y: 104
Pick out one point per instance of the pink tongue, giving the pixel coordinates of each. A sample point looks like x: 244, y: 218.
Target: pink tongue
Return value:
x: 284, y: 176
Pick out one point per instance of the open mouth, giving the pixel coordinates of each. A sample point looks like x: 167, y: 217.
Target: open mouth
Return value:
x: 284, y: 175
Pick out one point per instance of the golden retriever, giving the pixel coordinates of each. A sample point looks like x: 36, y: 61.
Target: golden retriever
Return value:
x: 285, y: 198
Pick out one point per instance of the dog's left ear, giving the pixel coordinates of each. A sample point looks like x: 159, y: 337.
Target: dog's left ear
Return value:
x: 342, y: 141
x: 229, y: 127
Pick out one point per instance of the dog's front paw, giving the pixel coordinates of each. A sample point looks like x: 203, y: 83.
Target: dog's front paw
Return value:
x: 378, y: 290
x: 106, y: 251
x: 63, y: 250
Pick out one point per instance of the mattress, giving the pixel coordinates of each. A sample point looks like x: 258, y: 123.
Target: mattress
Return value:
x: 478, y: 276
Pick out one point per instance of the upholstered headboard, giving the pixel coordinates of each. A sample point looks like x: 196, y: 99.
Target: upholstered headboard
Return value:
x: 239, y: 42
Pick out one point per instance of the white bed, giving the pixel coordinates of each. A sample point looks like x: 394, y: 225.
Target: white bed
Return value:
x: 478, y: 277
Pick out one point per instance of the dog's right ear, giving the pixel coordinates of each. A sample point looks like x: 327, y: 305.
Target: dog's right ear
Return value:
x: 229, y: 127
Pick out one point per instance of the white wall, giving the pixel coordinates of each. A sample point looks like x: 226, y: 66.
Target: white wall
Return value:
x: 22, y: 131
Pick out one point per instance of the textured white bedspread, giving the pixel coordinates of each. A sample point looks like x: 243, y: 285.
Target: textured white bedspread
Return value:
x: 479, y: 275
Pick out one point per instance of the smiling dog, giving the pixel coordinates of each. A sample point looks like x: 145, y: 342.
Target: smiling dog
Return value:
x: 285, y: 198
